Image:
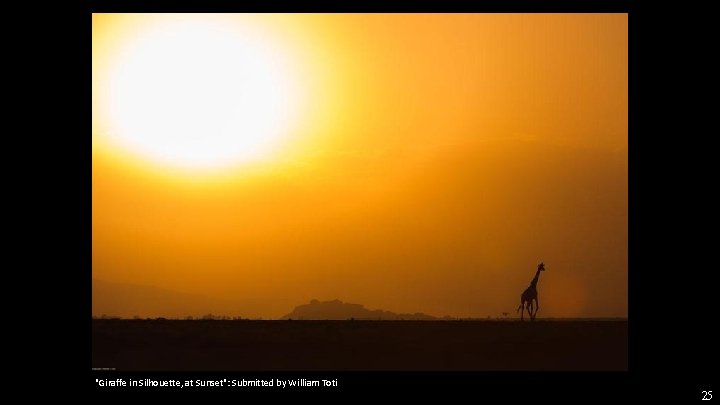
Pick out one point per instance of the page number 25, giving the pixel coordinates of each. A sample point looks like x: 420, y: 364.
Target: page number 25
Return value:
x: 707, y: 395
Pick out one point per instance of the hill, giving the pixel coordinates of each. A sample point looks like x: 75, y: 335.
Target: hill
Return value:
x: 338, y: 310
x: 129, y: 300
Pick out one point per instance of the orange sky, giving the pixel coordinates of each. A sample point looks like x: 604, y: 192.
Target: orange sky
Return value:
x: 438, y: 160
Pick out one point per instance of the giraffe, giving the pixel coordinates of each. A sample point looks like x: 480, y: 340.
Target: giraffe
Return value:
x: 530, y: 294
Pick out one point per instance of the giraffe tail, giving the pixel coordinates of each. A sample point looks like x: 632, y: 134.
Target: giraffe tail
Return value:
x: 518, y: 310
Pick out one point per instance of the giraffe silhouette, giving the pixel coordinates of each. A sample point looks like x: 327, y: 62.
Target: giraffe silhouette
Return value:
x: 530, y: 294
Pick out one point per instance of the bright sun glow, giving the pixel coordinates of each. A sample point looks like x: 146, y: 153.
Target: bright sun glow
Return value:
x: 200, y: 94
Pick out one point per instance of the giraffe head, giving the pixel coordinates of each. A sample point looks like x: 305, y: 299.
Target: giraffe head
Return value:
x: 541, y: 266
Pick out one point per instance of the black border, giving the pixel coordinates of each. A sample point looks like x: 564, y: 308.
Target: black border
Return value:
x: 654, y: 372
x: 367, y: 6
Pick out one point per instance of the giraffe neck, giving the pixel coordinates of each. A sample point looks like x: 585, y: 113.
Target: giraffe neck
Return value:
x: 535, y: 279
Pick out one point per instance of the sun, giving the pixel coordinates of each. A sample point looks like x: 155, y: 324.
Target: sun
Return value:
x: 200, y: 93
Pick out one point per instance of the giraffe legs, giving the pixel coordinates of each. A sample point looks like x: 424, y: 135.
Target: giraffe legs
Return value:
x: 532, y: 306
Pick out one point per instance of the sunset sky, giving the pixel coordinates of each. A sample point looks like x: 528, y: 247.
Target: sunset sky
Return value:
x: 407, y: 162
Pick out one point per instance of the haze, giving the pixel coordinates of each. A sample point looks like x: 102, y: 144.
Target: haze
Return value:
x: 439, y: 159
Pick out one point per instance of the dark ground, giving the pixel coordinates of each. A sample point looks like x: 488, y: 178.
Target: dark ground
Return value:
x: 359, y: 345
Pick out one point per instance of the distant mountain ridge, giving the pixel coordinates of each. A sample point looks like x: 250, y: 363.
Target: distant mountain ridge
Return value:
x: 127, y: 300
x: 338, y: 310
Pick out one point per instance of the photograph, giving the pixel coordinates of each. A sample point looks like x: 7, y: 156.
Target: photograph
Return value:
x: 359, y: 192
